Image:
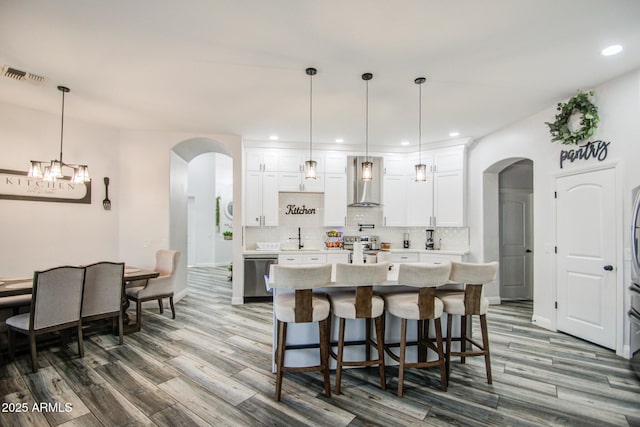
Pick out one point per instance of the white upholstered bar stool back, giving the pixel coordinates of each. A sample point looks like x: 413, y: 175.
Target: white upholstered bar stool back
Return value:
x: 421, y: 306
x: 360, y: 304
x: 301, y: 306
x: 471, y: 302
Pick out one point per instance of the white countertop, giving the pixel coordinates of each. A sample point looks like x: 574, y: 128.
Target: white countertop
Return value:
x: 338, y: 251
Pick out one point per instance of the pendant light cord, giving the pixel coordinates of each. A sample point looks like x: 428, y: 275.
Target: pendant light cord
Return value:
x: 62, y: 127
x: 310, y: 116
x: 420, y: 124
x: 366, y: 134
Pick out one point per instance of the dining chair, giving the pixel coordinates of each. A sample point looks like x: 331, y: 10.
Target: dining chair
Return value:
x: 469, y: 302
x: 158, y: 288
x: 301, y: 306
x: 360, y: 303
x: 56, y: 305
x: 421, y: 306
x: 102, y: 296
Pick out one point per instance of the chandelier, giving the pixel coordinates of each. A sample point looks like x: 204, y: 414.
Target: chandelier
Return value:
x: 50, y: 171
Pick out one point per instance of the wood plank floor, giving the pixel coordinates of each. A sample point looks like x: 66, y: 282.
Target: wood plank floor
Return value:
x: 211, y: 366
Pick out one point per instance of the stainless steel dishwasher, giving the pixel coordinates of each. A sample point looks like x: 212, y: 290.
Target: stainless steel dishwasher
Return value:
x: 255, y: 268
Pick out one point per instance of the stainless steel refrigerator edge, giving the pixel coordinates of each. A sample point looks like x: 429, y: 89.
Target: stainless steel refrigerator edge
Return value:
x: 634, y: 311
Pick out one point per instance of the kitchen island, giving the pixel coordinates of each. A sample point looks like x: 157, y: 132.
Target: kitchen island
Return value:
x: 302, y: 338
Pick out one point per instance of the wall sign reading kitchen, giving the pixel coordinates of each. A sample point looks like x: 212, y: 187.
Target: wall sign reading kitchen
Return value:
x: 301, y: 209
x: 17, y: 185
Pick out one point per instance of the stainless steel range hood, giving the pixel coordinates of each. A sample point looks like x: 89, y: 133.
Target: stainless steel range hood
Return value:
x: 363, y: 193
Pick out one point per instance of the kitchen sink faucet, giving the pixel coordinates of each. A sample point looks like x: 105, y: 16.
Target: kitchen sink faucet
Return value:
x: 300, y: 244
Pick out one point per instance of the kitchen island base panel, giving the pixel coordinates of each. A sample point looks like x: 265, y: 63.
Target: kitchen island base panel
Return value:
x: 302, y: 341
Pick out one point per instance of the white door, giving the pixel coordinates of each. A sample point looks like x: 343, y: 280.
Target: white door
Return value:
x: 586, y: 245
x: 516, y: 255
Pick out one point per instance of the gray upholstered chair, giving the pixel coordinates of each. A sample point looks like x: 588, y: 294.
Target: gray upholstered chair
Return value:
x: 158, y: 288
x: 103, y: 293
x: 360, y: 304
x: 469, y: 302
x: 421, y: 306
x: 56, y: 305
x: 301, y: 306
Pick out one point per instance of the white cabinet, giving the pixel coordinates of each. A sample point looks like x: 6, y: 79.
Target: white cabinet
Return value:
x: 261, y: 160
x: 261, y: 198
x: 437, y: 202
x: 335, y: 162
x: 335, y: 199
x: 401, y: 257
x: 394, y: 199
x: 434, y: 258
x: 303, y: 258
x: 395, y: 165
x: 291, y: 177
x: 261, y: 188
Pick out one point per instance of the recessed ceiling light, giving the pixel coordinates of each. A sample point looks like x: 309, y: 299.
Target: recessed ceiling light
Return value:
x: 612, y: 50
x: 339, y: 140
x: 404, y: 143
x: 454, y: 133
x: 273, y: 137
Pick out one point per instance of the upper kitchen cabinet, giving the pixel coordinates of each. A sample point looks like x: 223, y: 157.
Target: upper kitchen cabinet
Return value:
x: 291, y: 173
x: 437, y: 202
x: 335, y: 199
x: 335, y: 162
x: 261, y: 188
x: 448, y: 187
x: 261, y: 160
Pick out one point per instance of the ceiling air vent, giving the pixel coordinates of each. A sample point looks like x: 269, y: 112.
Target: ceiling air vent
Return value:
x: 23, y: 76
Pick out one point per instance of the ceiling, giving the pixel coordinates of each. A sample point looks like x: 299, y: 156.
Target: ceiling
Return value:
x: 238, y: 67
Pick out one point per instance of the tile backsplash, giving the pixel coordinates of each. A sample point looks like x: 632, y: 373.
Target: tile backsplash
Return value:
x: 305, y: 210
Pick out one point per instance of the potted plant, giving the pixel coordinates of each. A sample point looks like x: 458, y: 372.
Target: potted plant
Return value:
x: 227, y: 235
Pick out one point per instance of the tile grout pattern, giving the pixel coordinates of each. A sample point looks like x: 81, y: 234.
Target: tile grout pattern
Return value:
x: 211, y: 366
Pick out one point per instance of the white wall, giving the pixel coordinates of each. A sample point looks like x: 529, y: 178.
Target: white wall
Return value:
x: 210, y: 176
x: 39, y: 235
x: 619, y: 107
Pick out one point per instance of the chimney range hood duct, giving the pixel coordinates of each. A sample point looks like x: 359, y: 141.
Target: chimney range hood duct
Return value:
x: 363, y: 193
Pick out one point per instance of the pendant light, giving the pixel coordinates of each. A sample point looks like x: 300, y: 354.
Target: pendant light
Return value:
x: 367, y: 166
x: 310, y: 165
x: 421, y: 168
x: 53, y: 170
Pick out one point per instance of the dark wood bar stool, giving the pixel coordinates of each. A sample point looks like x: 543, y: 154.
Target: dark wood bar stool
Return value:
x: 421, y: 306
x: 301, y: 306
x: 360, y: 304
x: 469, y: 302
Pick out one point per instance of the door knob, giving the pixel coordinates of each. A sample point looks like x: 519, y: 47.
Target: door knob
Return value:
x: 608, y: 267
x: 528, y: 251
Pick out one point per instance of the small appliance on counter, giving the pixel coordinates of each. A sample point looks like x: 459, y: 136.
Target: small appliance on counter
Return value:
x: 405, y: 240
x: 429, y: 244
x: 361, y: 247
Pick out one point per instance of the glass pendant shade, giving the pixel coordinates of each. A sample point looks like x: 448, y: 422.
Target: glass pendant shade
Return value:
x: 35, y: 170
x: 56, y: 169
x: 421, y: 172
x: 47, y: 175
x: 367, y: 171
x: 310, y: 169
x: 80, y: 174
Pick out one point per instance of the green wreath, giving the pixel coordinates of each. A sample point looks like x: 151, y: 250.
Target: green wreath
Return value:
x: 588, y: 122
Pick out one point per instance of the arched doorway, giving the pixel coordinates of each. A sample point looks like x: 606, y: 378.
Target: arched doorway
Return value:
x: 507, y: 209
x: 181, y: 155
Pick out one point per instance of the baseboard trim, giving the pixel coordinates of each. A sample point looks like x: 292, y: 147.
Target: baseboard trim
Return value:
x: 237, y: 300
x: 543, y: 322
x: 494, y: 300
x: 626, y: 352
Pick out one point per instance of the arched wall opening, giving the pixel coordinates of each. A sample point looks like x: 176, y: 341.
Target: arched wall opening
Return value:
x: 491, y: 215
x: 181, y: 154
